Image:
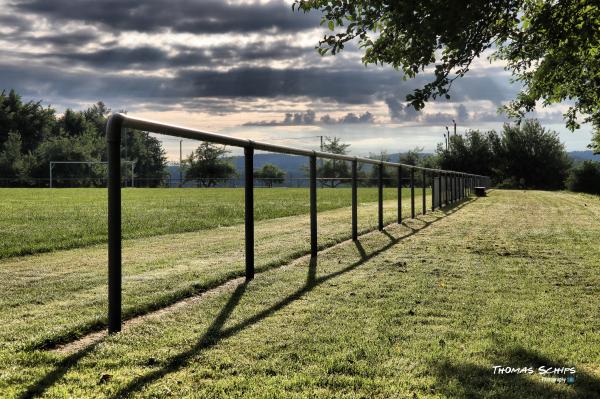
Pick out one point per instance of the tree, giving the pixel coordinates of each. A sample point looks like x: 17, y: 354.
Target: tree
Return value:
x: 334, y: 171
x: 208, y: 164
x: 411, y: 157
x: 551, y: 47
x: 531, y: 156
x: 389, y: 176
x: 270, y: 174
x: 585, y: 178
x: 149, y: 157
x: 471, y: 153
x: 31, y: 120
x: 32, y: 136
x: 595, y: 145
x: 83, y: 148
x: 13, y: 164
x: 97, y: 115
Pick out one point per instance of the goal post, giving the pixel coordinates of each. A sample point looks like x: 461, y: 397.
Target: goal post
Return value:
x: 53, y: 163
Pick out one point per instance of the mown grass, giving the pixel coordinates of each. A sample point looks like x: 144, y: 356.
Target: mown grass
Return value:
x: 424, y: 309
x: 53, y: 297
x: 43, y: 220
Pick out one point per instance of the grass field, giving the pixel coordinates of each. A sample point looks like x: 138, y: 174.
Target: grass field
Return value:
x: 423, y: 310
x: 42, y: 220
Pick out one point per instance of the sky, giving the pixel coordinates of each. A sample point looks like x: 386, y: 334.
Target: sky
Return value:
x: 243, y: 68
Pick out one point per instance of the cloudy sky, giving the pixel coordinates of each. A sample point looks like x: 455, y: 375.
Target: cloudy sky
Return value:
x: 244, y: 68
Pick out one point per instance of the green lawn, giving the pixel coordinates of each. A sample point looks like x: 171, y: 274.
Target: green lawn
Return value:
x: 42, y: 220
x: 52, y: 297
x: 422, y: 310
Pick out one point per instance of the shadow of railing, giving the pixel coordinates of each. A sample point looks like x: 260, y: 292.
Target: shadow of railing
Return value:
x: 215, y: 332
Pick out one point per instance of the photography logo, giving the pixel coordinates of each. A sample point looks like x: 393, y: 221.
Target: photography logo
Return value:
x: 556, y: 375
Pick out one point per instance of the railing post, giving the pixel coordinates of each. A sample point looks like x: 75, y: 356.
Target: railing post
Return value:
x: 355, y: 200
x: 412, y: 193
x: 457, y: 185
x: 380, y: 198
x: 249, y: 210
x: 452, y: 188
x: 424, y: 177
x: 313, y: 206
x: 446, y: 188
x: 433, y: 192
x: 113, y: 141
x: 440, y: 190
x: 399, y: 194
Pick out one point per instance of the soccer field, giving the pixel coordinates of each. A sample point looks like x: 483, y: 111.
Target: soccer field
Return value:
x: 42, y: 220
x: 423, y: 309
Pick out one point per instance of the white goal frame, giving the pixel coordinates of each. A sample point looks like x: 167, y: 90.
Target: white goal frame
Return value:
x: 52, y: 163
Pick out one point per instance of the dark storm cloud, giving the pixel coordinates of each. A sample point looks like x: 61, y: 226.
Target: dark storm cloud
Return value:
x: 357, y: 86
x: 115, y: 58
x: 151, y: 58
x: 77, y: 54
x: 399, y: 112
x: 205, y: 16
x: 41, y: 82
x: 13, y: 21
x: 72, y: 39
x: 351, y: 86
x: 309, y: 117
x: 485, y: 87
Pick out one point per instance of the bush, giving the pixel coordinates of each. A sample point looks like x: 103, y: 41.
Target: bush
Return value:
x: 531, y: 156
x: 585, y: 178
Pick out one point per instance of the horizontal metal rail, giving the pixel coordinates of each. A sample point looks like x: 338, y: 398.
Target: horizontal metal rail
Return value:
x: 119, y: 121
x: 454, y: 183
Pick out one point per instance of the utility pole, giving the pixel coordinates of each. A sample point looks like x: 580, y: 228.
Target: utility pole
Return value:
x: 447, y: 137
x: 180, y: 164
x: 454, y: 126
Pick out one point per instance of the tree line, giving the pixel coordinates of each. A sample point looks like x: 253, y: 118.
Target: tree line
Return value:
x: 31, y: 136
x: 522, y: 155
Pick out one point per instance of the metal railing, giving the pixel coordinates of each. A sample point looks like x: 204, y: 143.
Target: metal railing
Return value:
x: 456, y: 185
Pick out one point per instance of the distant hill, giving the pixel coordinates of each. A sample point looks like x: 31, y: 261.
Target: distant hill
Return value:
x: 584, y: 156
x: 293, y: 165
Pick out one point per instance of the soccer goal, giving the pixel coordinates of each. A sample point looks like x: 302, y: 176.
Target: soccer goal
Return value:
x: 54, y: 163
